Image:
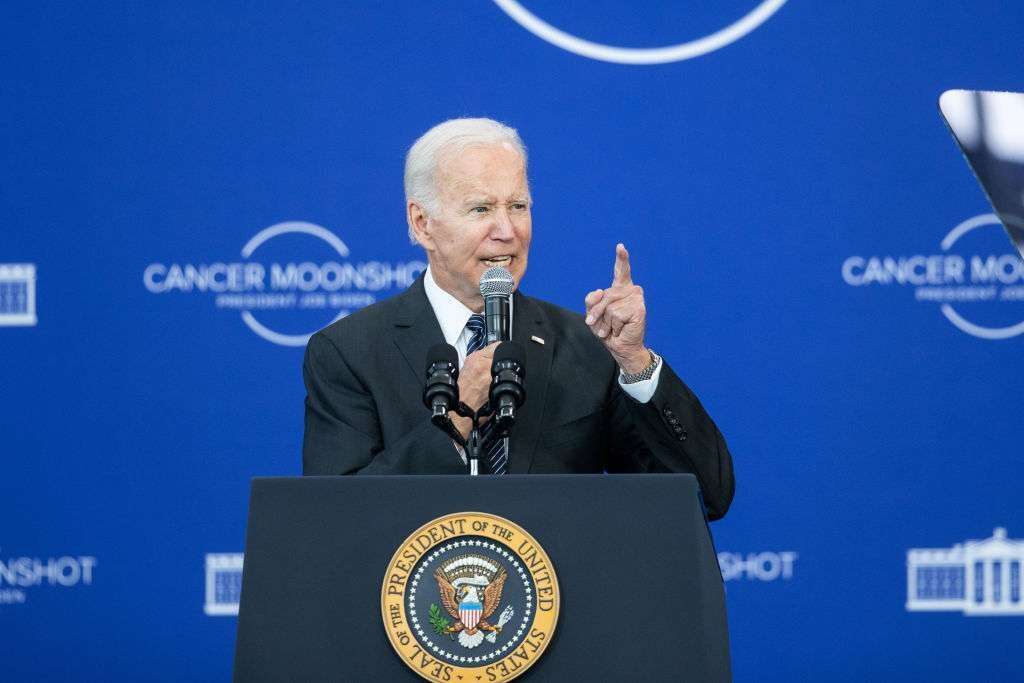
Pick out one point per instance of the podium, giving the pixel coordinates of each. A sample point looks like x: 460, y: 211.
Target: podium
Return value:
x: 640, y: 593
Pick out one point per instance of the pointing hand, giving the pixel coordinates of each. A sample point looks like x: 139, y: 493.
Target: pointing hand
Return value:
x: 617, y: 315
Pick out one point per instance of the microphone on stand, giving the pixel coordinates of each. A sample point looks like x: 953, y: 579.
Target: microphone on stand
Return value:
x: 508, y: 374
x: 441, y: 393
x: 496, y: 285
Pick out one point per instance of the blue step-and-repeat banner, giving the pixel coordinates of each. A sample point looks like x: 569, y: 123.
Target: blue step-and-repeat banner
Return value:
x: 188, y: 190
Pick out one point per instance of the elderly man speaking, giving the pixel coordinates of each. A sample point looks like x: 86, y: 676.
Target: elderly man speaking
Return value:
x: 599, y: 400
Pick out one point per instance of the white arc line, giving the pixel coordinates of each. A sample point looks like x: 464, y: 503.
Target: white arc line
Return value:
x: 627, y: 55
x: 979, y: 331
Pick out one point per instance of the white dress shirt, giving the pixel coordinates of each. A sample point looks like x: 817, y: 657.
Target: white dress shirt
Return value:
x: 452, y: 316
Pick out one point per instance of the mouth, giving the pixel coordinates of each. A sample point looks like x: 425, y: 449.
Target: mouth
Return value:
x: 504, y: 261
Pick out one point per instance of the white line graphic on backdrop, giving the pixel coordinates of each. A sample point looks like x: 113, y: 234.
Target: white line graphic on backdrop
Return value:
x: 269, y: 233
x: 17, y: 294
x: 948, y: 310
x: 761, y: 566
x: 955, y: 281
x: 627, y: 55
x: 976, y: 577
x: 297, y: 284
x: 19, y: 574
x: 223, y: 583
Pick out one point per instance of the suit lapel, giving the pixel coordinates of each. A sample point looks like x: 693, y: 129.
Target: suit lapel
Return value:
x: 416, y: 330
x: 529, y: 321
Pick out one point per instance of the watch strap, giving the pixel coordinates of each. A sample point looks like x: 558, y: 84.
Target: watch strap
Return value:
x: 645, y: 374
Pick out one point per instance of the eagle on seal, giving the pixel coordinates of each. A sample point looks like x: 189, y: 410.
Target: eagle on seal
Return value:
x: 470, y: 588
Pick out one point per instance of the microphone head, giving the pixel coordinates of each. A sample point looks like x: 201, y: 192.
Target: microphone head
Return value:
x: 441, y: 392
x: 509, y: 351
x: 496, y: 281
x: 507, y: 388
x: 442, y: 353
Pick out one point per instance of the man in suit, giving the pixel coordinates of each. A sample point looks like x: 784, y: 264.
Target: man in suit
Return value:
x: 598, y: 399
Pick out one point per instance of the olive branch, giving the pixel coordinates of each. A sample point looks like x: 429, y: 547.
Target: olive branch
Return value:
x: 438, y: 621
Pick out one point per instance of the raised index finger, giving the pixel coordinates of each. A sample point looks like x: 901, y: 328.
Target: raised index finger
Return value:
x: 622, y: 273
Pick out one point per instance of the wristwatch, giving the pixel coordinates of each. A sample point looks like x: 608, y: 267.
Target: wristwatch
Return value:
x: 646, y: 373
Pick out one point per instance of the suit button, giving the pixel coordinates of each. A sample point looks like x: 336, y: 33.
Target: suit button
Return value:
x: 676, y: 428
x: 673, y: 421
x: 681, y: 435
x: 667, y: 412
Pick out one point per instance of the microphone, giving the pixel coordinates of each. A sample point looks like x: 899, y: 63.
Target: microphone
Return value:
x: 496, y: 286
x: 442, y: 391
x: 507, y: 390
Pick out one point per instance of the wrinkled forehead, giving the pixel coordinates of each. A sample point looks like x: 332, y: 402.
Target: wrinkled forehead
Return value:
x: 493, y: 169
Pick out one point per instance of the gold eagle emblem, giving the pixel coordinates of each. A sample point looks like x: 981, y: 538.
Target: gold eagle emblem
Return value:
x: 471, y: 587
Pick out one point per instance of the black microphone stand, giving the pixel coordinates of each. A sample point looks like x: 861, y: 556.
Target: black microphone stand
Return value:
x: 477, y: 443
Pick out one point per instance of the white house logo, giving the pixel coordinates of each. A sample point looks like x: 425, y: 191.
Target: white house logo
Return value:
x: 977, y: 282
x: 17, y: 294
x: 978, y: 578
x: 762, y: 566
x: 281, y: 298
x: 654, y: 55
x: 19, y: 574
x: 223, y: 583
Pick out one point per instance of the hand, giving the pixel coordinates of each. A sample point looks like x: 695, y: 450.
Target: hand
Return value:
x: 474, y: 384
x: 618, y: 317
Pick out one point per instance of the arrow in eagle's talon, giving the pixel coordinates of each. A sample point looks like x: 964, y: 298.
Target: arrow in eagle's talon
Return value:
x: 506, y: 614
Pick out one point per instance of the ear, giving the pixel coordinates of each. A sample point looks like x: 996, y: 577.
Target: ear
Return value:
x: 419, y: 223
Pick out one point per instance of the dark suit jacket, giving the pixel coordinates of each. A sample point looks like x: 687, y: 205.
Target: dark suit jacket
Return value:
x: 364, y: 378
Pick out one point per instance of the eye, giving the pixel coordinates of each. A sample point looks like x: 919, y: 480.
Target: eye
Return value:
x: 519, y: 206
x: 479, y: 209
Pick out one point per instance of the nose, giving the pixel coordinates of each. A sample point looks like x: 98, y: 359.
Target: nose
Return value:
x: 502, y: 228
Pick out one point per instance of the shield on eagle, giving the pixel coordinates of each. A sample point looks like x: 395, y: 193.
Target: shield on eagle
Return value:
x: 469, y: 613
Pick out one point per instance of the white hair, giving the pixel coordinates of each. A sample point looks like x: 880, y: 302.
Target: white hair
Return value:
x: 452, y: 136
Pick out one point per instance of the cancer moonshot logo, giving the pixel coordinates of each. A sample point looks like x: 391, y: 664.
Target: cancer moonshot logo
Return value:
x: 21, y: 574
x: 293, y: 279
x: 974, y: 278
x: 757, y: 566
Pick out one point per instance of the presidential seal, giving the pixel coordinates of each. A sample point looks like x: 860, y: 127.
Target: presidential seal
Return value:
x: 470, y: 597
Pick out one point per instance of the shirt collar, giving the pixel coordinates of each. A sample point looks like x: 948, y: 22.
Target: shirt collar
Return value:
x: 451, y: 313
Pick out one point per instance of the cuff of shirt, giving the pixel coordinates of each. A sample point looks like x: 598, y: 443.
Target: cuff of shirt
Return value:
x: 642, y: 391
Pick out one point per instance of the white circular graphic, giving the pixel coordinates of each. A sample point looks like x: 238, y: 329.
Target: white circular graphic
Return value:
x: 947, y: 310
x: 653, y: 55
x: 269, y: 233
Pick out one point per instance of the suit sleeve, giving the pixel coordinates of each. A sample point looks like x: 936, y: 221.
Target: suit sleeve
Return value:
x: 343, y: 433
x: 672, y: 433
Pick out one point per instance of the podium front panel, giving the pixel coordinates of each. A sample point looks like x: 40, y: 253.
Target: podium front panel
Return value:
x: 641, y: 593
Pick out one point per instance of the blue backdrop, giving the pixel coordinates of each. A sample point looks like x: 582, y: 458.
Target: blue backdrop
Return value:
x: 147, y: 149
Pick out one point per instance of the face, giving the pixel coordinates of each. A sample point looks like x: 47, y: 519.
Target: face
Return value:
x: 483, y: 220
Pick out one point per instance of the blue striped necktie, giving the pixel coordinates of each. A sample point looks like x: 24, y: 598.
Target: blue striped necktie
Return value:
x: 496, y: 457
